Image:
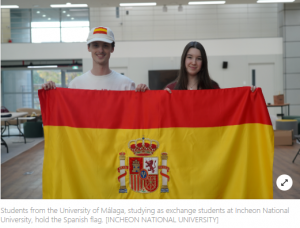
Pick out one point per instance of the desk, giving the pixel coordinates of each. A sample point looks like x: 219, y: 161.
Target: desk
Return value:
x: 15, y: 115
x: 270, y: 106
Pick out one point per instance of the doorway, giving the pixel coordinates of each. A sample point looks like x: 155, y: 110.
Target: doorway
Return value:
x: 263, y: 76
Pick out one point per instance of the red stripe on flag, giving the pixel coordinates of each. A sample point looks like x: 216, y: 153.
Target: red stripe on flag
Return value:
x: 152, y: 109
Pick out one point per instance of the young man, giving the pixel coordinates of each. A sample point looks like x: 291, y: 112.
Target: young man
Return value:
x: 101, y: 44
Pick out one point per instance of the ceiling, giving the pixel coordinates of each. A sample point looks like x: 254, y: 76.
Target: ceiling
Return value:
x: 108, y: 3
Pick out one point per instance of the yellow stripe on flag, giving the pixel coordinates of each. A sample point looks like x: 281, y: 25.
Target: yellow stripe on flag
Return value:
x: 227, y: 162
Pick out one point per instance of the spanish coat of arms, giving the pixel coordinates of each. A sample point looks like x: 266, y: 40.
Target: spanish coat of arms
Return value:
x: 143, y: 168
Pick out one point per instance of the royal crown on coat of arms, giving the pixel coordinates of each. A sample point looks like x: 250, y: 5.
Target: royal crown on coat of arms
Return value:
x: 143, y: 168
x: 143, y: 146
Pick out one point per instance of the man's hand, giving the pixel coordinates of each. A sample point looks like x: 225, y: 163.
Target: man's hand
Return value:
x: 141, y: 88
x: 253, y: 88
x: 49, y: 85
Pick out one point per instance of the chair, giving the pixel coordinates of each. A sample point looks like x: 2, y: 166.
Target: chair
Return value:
x: 33, y: 129
x: 296, y: 118
x: 287, y: 124
x: 15, y: 122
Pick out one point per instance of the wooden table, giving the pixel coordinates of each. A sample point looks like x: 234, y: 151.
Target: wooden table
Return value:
x: 270, y: 106
x: 14, y: 115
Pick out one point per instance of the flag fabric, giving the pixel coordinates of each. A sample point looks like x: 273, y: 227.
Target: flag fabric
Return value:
x: 195, y: 144
x: 100, y: 30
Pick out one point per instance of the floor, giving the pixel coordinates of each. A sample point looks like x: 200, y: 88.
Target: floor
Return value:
x: 283, y: 158
x: 22, y: 175
x: 17, y: 146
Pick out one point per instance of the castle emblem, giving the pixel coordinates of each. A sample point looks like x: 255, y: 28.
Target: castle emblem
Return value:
x: 143, y: 167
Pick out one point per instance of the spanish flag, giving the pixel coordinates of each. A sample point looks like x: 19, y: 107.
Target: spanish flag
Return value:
x: 100, y: 30
x: 200, y: 144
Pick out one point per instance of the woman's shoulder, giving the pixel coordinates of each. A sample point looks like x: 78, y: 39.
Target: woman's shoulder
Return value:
x: 171, y: 85
x: 215, y: 84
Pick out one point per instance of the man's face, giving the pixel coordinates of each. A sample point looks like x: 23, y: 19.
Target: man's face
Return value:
x: 100, y: 52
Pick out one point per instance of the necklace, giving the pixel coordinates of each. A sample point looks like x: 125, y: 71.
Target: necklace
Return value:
x: 191, y: 88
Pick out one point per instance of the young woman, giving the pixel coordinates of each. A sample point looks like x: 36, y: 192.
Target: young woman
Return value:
x: 193, y: 73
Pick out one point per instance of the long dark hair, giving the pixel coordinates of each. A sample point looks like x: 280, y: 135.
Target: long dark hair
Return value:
x: 204, y: 81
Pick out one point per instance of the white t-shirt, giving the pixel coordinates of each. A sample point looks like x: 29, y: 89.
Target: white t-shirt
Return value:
x: 111, y: 81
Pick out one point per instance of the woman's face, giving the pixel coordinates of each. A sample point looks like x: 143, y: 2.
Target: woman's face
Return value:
x: 193, y: 61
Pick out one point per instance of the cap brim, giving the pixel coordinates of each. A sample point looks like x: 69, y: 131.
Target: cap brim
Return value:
x: 100, y: 39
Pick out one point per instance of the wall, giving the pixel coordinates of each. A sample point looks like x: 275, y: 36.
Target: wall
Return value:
x: 289, y: 18
x: 194, y: 22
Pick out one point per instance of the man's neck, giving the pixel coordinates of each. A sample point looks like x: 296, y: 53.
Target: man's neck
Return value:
x: 99, y: 70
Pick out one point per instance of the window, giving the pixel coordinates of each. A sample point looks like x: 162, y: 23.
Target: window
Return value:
x: 49, y: 25
x: 70, y: 75
x: 74, y: 25
x: 39, y: 78
x: 20, y: 25
x: 45, y: 25
x: 16, y: 89
x: 20, y: 87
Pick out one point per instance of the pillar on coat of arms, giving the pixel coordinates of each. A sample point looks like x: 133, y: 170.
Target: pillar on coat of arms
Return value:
x: 165, y: 177
x: 122, y: 172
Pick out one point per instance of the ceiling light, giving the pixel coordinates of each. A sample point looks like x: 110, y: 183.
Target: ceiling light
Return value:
x: 44, y: 15
x: 180, y: 8
x: 68, y: 5
x: 54, y: 66
x: 9, y: 6
x: 49, y: 18
x: 274, y: 1
x: 165, y: 8
x: 139, y: 4
x: 77, y: 10
x: 72, y: 18
x: 37, y: 11
x: 68, y: 15
x: 207, y: 3
x: 64, y: 11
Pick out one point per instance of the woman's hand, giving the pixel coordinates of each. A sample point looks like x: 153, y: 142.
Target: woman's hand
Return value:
x: 49, y: 85
x: 167, y: 89
x: 253, y: 88
x: 141, y: 88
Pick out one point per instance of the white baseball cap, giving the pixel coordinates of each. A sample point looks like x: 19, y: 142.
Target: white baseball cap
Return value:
x: 101, y: 34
